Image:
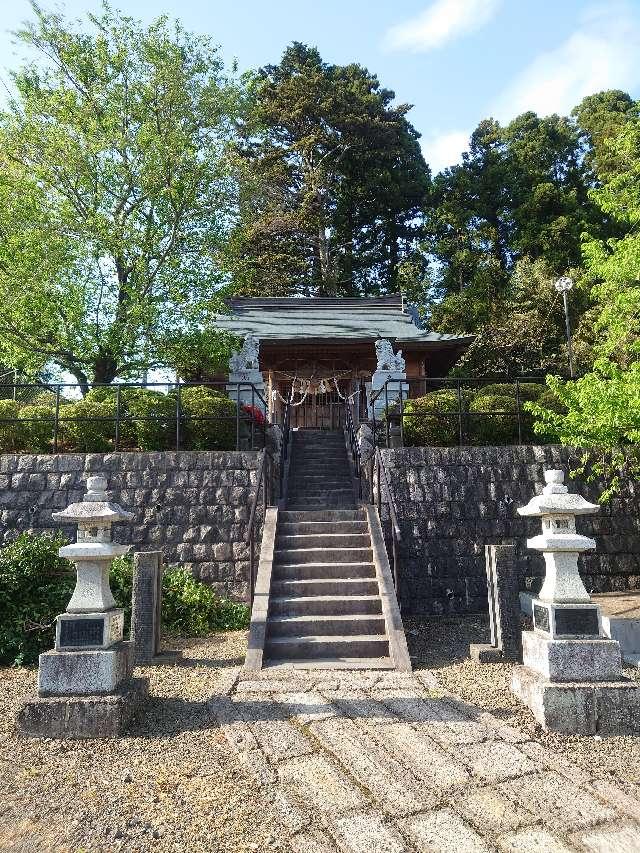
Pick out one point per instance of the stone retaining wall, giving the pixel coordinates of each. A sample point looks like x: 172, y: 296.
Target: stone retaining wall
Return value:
x: 453, y: 501
x: 194, y: 506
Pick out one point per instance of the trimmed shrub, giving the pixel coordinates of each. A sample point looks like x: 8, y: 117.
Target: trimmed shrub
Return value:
x: 35, y: 585
x: 192, y: 609
x: 431, y: 421
x: 527, y: 391
x: 202, y: 402
x: 36, y: 428
x: 490, y: 429
x: 94, y: 430
x: 157, y: 433
x: 9, y: 432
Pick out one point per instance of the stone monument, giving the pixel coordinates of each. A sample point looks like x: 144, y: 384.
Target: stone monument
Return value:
x: 390, y: 369
x: 84, y: 684
x: 504, y: 608
x: 572, y: 676
x: 244, y: 372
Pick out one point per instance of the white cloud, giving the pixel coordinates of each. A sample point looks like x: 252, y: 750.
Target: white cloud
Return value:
x: 603, y: 53
x: 441, y: 22
x: 445, y: 149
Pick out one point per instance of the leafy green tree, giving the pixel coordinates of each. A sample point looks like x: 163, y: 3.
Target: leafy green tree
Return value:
x: 333, y: 182
x: 118, y: 140
x: 600, y: 118
x: 603, y: 407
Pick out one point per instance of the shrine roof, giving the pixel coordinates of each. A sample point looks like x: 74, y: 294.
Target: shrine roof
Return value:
x: 328, y: 318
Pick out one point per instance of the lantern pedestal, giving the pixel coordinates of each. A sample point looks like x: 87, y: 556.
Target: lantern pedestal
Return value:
x: 85, y: 684
x: 572, y: 676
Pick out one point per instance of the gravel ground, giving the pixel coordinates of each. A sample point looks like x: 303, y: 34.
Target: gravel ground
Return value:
x: 442, y: 645
x: 173, y: 785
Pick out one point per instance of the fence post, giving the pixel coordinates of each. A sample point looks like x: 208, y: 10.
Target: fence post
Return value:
x: 178, y: 414
x: 460, y: 427
x: 117, y: 436
x: 56, y: 423
x: 518, y: 411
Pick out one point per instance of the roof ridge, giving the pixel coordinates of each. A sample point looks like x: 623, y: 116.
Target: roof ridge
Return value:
x: 361, y: 302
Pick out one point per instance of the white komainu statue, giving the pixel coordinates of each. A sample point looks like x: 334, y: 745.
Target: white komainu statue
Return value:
x: 387, y: 359
x: 247, y: 358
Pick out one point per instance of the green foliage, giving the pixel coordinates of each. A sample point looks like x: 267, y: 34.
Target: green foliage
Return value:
x: 493, y: 429
x: 197, y: 355
x: 525, y: 390
x: 432, y: 420
x: 9, y: 433
x: 332, y: 182
x: 36, y: 428
x: 115, y: 192
x: 193, y: 609
x: 153, y: 418
x: 602, y: 416
x: 203, y: 402
x: 88, y: 425
x: 35, y: 585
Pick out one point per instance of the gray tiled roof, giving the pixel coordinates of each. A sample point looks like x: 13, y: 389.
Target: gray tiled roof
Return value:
x: 328, y: 318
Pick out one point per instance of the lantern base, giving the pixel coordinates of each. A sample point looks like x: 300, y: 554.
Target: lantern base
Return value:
x: 606, y: 708
x: 84, y: 672
x: 83, y: 716
x: 572, y: 660
x: 567, y: 620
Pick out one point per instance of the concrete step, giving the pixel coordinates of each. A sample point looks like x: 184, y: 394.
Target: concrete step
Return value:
x: 325, y: 605
x: 333, y: 556
x: 287, y: 516
x: 323, y: 540
x: 294, y: 506
x: 327, y: 626
x: 301, y: 528
x: 331, y: 663
x: 302, y: 648
x: 293, y: 571
x: 307, y: 587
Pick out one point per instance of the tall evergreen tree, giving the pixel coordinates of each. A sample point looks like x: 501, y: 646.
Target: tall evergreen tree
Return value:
x: 333, y: 181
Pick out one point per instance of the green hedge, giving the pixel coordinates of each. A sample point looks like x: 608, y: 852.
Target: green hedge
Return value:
x: 432, y: 420
x: 36, y: 585
x: 208, y: 435
x: 486, y: 428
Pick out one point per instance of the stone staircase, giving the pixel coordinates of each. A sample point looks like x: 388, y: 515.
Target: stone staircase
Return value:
x: 325, y: 606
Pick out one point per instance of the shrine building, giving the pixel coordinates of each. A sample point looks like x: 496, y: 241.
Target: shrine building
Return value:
x: 318, y: 351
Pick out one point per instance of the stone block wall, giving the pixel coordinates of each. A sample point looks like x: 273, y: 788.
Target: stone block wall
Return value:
x: 193, y: 506
x: 453, y: 501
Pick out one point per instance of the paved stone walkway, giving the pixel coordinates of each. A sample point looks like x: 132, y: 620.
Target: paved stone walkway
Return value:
x: 381, y: 762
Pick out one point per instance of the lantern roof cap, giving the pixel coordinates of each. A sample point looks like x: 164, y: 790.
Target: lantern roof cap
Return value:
x: 95, y: 507
x: 557, y: 500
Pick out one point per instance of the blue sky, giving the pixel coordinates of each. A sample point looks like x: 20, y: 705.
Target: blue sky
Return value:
x: 457, y: 61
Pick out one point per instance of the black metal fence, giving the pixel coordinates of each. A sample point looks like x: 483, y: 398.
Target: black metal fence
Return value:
x: 132, y: 416
x: 457, y: 411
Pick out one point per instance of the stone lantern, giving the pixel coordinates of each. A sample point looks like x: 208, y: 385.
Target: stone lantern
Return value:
x: 84, y: 684
x: 572, y: 676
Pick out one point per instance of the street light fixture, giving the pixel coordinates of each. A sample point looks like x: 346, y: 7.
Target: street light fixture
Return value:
x: 563, y: 285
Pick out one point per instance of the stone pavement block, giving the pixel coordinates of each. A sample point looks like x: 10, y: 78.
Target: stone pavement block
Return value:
x: 255, y: 761
x: 280, y: 740
x: 506, y: 732
x: 628, y: 803
x: 312, y: 841
x: 398, y: 681
x: 532, y: 841
x: 235, y: 730
x: 390, y: 783
x: 427, y: 679
x: 494, y: 760
x: 357, y: 680
x: 291, y: 813
x: 409, y: 706
x: 490, y: 812
x: 366, y: 832
x: 443, y: 831
x: 316, y: 783
x: 611, y: 839
x: 307, y: 707
x: 272, y: 685
x: 549, y: 759
x: 358, y: 705
x: 454, y: 728
x: 420, y: 754
x: 560, y: 803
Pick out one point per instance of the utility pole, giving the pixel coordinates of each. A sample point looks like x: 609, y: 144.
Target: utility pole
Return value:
x: 563, y: 285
